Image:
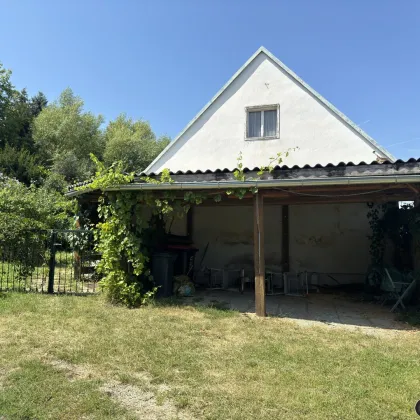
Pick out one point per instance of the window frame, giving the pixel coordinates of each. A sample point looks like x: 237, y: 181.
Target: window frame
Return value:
x: 262, y: 108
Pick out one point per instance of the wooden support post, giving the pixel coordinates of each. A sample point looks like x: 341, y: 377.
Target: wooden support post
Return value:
x: 285, y: 248
x: 259, y: 259
x: 190, y: 216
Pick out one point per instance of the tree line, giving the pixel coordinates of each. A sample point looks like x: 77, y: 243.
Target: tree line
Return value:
x: 44, y: 146
x: 49, y: 144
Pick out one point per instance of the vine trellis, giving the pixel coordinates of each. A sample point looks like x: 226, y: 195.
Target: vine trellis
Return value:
x: 121, y: 232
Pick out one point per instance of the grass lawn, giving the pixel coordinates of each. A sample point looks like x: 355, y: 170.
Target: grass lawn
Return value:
x: 77, y: 357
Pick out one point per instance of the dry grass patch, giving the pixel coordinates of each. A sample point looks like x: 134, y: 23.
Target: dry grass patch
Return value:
x: 73, y: 372
x: 144, y: 404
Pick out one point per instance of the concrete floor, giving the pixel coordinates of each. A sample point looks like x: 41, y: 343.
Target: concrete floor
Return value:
x: 327, y: 308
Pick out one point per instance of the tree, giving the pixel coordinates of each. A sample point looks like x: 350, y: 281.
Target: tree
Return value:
x: 6, y: 92
x: 132, y: 142
x: 18, y: 155
x: 65, y: 133
x: 18, y: 117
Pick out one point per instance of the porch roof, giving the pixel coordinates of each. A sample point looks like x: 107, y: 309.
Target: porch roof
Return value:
x: 400, y: 175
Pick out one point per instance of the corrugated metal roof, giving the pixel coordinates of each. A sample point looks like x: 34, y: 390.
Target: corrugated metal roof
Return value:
x: 276, y: 168
x: 285, y: 167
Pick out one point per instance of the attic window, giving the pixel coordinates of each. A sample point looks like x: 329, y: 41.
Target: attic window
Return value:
x: 262, y: 122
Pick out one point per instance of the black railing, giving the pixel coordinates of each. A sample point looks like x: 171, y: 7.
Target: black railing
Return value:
x: 57, y: 261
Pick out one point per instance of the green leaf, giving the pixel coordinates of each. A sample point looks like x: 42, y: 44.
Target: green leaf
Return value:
x: 217, y: 198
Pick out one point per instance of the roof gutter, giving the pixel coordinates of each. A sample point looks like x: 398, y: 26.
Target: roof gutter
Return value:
x: 265, y: 183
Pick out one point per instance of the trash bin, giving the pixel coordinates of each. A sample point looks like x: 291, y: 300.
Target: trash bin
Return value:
x: 163, y: 273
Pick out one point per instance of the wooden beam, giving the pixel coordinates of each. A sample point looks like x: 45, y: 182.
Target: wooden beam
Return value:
x: 351, y: 187
x: 413, y: 188
x: 365, y: 198
x: 417, y: 194
x: 319, y: 194
x: 285, y: 239
x: 259, y: 258
x: 270, y: 200
x: 190, y: 224
x: 335, y: 194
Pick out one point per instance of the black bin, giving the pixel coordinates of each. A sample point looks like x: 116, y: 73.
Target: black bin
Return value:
x: 163, y: 273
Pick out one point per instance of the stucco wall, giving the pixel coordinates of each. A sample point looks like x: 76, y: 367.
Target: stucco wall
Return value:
x: 330, y: 239
x: 323, y: 238
x: 230, y: 234
x: 216, y: 138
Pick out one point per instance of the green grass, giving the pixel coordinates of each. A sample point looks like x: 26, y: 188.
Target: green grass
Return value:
x: 78, y: 357
x: 37, y: 390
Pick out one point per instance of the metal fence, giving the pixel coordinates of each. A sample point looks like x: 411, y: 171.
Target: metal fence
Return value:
x: 57, y: 261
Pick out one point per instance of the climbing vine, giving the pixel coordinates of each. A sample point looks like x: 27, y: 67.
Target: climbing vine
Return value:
x: 124, y: 257
x: 118, y: 238
x: 107, y: 177
x: 400, y: 225
x: 377, y: 236
x: 123, y: 236
x: 239, y: 173
x: 276, y: 160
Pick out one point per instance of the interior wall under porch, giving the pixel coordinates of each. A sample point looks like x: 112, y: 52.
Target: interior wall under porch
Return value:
x: 329, y: 239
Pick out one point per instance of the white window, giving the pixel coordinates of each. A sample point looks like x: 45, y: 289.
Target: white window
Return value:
x: 262, y: 122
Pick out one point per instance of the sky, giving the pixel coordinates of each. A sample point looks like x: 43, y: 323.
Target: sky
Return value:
x: 163, y: 60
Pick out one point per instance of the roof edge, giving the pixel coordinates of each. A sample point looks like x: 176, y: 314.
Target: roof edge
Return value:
x: 266, y: 183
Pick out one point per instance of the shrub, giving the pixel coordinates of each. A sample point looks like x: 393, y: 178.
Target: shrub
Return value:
x: 26, y: 213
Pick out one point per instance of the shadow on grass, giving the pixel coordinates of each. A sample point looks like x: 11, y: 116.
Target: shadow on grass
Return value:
x: 214, y: 307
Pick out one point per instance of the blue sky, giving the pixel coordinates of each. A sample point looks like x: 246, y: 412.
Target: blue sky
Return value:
x: 163, y: 60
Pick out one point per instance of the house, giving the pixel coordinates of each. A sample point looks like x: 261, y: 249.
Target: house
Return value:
x: 310, y: 212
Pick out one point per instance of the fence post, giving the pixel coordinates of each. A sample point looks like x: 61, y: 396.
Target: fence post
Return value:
x: 76, y: 253
x: 52, y: 263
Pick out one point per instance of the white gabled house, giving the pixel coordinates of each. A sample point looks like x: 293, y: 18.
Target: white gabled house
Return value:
x: 265, y: 108
x: 309, y: 215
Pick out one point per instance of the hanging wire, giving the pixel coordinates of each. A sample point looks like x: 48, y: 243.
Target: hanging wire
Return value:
x: 333, y: 195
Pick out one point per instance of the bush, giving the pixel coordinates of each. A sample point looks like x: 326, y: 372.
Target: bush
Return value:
x: 26, y: 213
x: 21, y: 164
